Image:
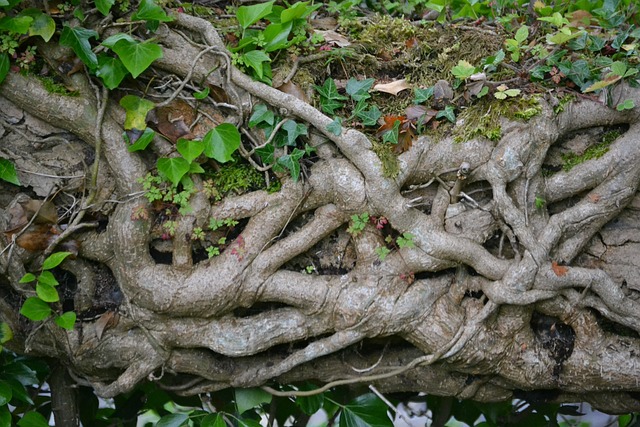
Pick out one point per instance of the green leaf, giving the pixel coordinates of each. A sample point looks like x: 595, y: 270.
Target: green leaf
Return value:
x: 248, y: 423
x: 190, y: 150
x: 47, y: 293
x: 298, y: 10
x: 329, y: 90
x: 8, y: 171
x: 627, y: 104
x: 111, y: 71
x: 173, y: 169
x: 201, y: 94
x: 448, y: 113
x: 266, y: 154
x: 104, y: 6
x: 463, y: 70
x: 6, y: 334
x: 522, y: 34
x: 294, y: 130
x: 370, y: 117
x: 33, y: 419
x: 143, y: 141
x: 148, y: 10
x: 335, y: 127
x: 291, y: 162
x: 20, y: 372
x: 19, y: 391
x: 66, y: 320
x: 221, y: 142
x: 249, y: 15
x: 359, y: 89
x: 16, y: 24
x: 5, y: 393
x: 35, y: 309
x: 43, y: 25
x: 47, y: 278
x: 261, y: 114
x: 111, y: 41
x: 5, y: 417
x: 4, y: 66
x: 195, y: 168
x: 136, y: 56
x: 78, y: 39
x: 213, y: 420
x: 248, y: 398
x: 310, y: 404
x: 422, y: 95
x: 136, y: 109
x: 255, y: 59
x: 54, y: 260
x: 365, y: 411
x: 276, y: 36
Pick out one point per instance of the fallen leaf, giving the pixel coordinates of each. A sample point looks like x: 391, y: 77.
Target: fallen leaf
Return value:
x: 218, y: 94
x: 559, y: 270
x: 173, y: 120
x: 334, y: 38
x: 107, y: 321
x: 326, y: 23
x: 394, y: 87
x: 420, y: 114
x: 293, y: 89
x: 406, y: 137
x: 411, y: 43
x: 389, y: 122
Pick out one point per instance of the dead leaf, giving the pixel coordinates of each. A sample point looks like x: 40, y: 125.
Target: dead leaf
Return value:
x: 173, y: 120
x: 559, y: 270
x: 293, y: 89
x: 218, y: 94
x: 394, y: 88
x: 334, y: 38
x: 406, y: 137
x: 389, y: 122
x: 105, y: 322
x: 411, y: 43
x: 326, y: 23
x: 420, y: 114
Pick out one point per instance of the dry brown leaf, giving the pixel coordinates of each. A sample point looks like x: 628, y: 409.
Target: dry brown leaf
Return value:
x: 107, y: 321
x: 334, y: 38
x: 560, y: 270
x: 173, y: 120
x: 394, y: 87
x: 293, y: 89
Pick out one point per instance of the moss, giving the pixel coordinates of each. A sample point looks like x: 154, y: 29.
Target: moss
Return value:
x: 390, y: 163
x: 237, y: 178
x: 483, y: 118
x: 594, y: 152
x: 56, y: 88
x: 563, y: 102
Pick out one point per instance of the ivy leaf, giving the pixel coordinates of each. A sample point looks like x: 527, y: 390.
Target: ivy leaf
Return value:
x: 255, y: 59
x: 294, y: 130
x: 248, y: 398
x: 54, y: 260
x: 141, y: 142
x: 448, y: 113
x: 365, y: 411
x: 266, y: 154
x: 249, y: 15
x: 422, y: 95
x: 5, y: 394
x: 370, y: 117
x: 8, y: 171
x: 310, y: 404
x: 66, y: 320
x: 261, y: 114
x: 16, y: 24
x: 213, y: 420
x: 47, y: 293
x: 35, y: 309
x: 359, y: 89
x: 221, y: 142
x: 104, y: 6
x: 291, y: 162
x: 33, y: 419
x: 148, y: 10
x: 43, y: 25
x: 330, y: 99
x: 136, y: 56
x: 335, y: 127
x: 136, y: 109
x: 111, y: 71
x: 173, y: 169
x: 190, y: 150
x: 78, y: 39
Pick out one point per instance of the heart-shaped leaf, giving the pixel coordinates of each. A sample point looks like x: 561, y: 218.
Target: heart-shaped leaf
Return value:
x: 173, y: 169
x: 104, y: 6
x: 221, y: 142
x: 136, y: 109
x: 47, y: 293
x: 190, y: 150
x: 43, y: 25
x: 148, y: 10
x: 143, y: 140
x: 136, y: 56
x: 111, y: 71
